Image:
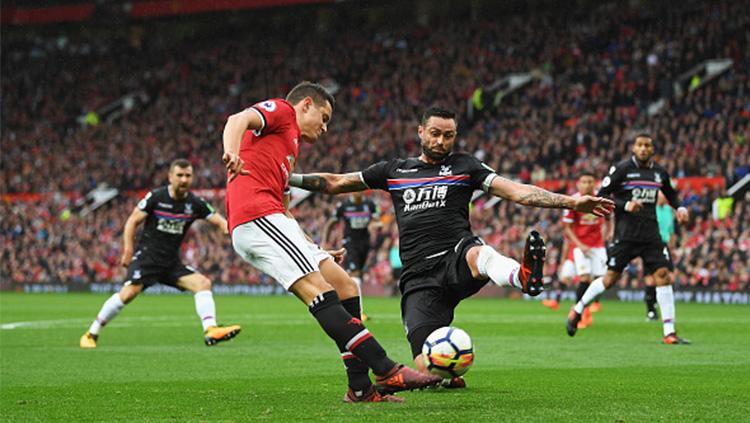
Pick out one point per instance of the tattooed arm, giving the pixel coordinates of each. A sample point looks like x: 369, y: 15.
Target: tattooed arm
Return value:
x: 530, y: 195
x: 329, y: 183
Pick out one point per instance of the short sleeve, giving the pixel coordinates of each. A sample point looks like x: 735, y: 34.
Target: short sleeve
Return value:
x: 480, y: 174
x: 611, y: 182
x: 376, y: 176
x: 147, y: 203
x: 276, y: 115
x: 203, y: 208
x: 568, y: 216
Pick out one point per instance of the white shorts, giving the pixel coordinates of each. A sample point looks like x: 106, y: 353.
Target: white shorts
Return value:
x: 568, y: 270
x: 276, y: 245
x: 593, y: 264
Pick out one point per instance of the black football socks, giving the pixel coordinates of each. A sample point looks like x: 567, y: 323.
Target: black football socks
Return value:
x: 356, y: 370
x: 349, y: 333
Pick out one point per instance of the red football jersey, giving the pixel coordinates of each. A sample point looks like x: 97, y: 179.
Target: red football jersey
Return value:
x: 269, y: 155
x: 586, y: 226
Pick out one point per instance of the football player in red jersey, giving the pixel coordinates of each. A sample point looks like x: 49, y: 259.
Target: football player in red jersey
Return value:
x: 586, y: 233
x: 261, y: 145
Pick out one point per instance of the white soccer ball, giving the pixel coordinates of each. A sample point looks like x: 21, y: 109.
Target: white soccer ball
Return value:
x: 448, y: 352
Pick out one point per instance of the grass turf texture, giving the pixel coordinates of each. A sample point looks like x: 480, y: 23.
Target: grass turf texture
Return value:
x: 151, y: 364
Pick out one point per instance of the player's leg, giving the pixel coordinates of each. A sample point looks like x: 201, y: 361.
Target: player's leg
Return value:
x: 665, y: 298
x: 354, y: 263
x: 598, y: 261
x: 356, y: 276
x: 357, y: 371
x: 353, y: 338
x: 188, y: 279
x: 110, y: 309
x: 650, y: 299
x: 423, y: 312
x: 583, y: 270
x: 484, y: 262
x: 658, y: 262
x: 618, y: 256
x: 275, y: 245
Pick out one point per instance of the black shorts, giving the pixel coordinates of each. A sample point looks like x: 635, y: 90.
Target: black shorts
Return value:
x: 654, y: 254
x: 431, y: 296
x: 356, y: 255
x: 141, y: 272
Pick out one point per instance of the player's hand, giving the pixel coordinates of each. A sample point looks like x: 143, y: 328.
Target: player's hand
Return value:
x: 585, y: 249
x: 126, y: 258
x: 597, y: 205
x: 682, y: 215
x: 633, y: 206
x: 338, y: 255
x: 234, y: 165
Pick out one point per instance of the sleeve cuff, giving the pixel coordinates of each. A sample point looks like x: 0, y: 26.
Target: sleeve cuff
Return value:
x: 258, y: 132
x: 487, y: 184
x: 362, y: 178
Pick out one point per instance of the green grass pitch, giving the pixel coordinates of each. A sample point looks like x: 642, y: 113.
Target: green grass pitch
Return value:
x: 151, y: 364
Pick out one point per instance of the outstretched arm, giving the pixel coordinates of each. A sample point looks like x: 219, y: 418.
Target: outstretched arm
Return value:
x: 530, y: 195
x: 329, y: 183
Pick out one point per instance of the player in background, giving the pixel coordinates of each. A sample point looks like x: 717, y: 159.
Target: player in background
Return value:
x: 665, y: 219
x: 634, y: 183
x: 261, y: 146
x: 167, y: 213
x: 443, y: 262
x: 358, y: 215
x: 586, y: 233
x: 566, y: 275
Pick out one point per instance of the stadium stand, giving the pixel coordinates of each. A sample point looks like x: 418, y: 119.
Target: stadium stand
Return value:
x: 591, y: 92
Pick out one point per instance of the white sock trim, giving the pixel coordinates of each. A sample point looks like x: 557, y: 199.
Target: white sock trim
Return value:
x: 665, y: 298
x: 593, y: 291
x: 501, y: 270
x: 206, y: 308
x: 110, y: 309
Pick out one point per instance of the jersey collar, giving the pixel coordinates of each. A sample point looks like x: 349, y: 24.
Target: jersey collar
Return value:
x: 173, y: 196
x: 635, y: 162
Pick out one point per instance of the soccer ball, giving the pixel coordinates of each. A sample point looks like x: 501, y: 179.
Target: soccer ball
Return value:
x: 448, y: 352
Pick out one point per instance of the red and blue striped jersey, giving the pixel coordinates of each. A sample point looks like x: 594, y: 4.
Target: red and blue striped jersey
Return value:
x: 431, y: 201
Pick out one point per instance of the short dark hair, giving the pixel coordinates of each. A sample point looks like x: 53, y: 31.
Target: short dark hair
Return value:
x: 643, y: 135
x: 181, y: 163
x: 437, y: 111
x: 310, y: 89
x: 586, y: 172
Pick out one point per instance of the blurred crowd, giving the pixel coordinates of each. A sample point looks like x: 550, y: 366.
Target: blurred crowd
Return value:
x: 43, y: 242
x: 596, y: 72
